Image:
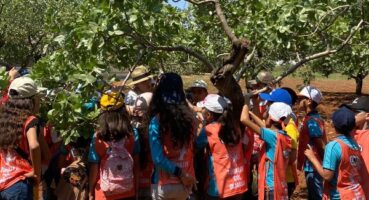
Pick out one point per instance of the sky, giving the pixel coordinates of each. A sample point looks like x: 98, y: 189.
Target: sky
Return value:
x: 182, y: 4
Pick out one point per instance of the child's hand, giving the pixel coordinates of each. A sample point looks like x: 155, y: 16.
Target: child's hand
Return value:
x: 188, y: 181
x: 32, y: 176
x: 309, y: 153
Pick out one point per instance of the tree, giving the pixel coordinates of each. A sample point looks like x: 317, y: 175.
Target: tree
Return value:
x: 92, y: 37
x: 22, y: 31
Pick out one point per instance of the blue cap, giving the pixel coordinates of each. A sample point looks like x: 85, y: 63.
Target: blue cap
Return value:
x: 277, y: 95
x: 343, y: 120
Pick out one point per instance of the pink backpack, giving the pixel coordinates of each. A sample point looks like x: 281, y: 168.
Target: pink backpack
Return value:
x: 116, y: 170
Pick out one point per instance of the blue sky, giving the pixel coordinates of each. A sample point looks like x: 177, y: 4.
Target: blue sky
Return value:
x: 182, y: 4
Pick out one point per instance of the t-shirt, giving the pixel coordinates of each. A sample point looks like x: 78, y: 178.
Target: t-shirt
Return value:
x: 314, y: 132
x: 294, y: 134
x: 332, y: 159
x: 270, y: 138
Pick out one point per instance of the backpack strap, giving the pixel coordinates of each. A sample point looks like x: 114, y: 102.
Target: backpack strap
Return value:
x: 24, y: 142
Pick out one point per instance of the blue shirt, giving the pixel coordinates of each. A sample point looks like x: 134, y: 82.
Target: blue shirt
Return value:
x: 270, y: 138
x: 332, y: 159
x: 202, y: 142
x: 314, y: 132
x: 157, y: 154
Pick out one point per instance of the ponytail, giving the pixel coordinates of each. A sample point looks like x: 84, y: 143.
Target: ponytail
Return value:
x: 228, y: 133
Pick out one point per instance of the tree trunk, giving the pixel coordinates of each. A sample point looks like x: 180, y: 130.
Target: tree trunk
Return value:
x: 223, y: 79
x: 359, y: 84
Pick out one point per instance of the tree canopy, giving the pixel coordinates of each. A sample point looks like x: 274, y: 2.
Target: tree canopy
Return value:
x: 79, y: 42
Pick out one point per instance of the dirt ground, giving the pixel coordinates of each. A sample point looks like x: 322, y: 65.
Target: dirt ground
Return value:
x: 335, y: 93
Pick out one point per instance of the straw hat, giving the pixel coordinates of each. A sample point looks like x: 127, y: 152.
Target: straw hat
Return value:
x: 140, y: 74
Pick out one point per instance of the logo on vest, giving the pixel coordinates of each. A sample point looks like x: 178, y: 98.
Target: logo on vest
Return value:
x: 286, y: 153
x: 355, y: 161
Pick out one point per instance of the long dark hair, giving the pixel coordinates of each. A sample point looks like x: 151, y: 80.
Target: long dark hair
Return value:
x: 114, y: 125
x: 228, y: 132
x: 13, y: 115
x: 175, y: 117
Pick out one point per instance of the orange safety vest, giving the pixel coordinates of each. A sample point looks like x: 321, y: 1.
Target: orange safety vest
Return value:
x: 183, y: 158
x: 14, y: 166
x: 229, y: 164
x: 305, y: 138
x: 362, y: 138
x: 352, y: 180
x: 282, y: 151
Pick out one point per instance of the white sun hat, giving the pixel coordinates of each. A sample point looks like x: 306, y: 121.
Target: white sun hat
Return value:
x: 214, y: 103
x: 279, y: 110
x: 312, y: 93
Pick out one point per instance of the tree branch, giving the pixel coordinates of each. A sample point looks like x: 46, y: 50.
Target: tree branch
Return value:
x: 143, y: 41
x: 200, y: 2
x: 244, y: 67
x: 187, y: 50
x: 224, y: 22
x: 335, y: 17
x: 320, y: 54
x: 218, y: 8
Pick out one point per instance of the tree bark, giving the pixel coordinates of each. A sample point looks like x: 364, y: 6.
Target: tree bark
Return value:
x: 359, y: 84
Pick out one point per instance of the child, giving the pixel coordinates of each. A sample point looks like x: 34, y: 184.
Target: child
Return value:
x: 226, y: 161
x: 360, y: 106
x: 113, y: 164
x: 311, y: 133
x: 171, y: 137
x: 276, y: 150
x: 20, y: 155
x: 141, y: 123
x: 343, y: 166
x: 288, y: 96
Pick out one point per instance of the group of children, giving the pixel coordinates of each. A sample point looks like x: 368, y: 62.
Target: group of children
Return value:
x: 160, y: 142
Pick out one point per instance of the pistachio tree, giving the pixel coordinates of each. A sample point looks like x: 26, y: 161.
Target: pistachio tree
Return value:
x: 225, y: 37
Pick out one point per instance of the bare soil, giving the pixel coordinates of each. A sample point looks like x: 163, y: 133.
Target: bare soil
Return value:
x: 335, y: 93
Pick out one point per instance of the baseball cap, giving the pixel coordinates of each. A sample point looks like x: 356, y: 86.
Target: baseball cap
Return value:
x: 312, y: 93
x: 344, y: 120
x: 111, y: 101
x: 359, y: 104
x: 279, y: 110
x: 199, y: 84
x: 214, y: 103
x: 24, y: 87
x: 277, y: 95
x: 262, y: 77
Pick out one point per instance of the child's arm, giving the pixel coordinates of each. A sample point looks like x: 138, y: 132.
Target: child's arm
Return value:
x: 35, y: 153
x: 92, y: 177
x: 325, y: 173
x: 257, y: 120
x: 245, y: 120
